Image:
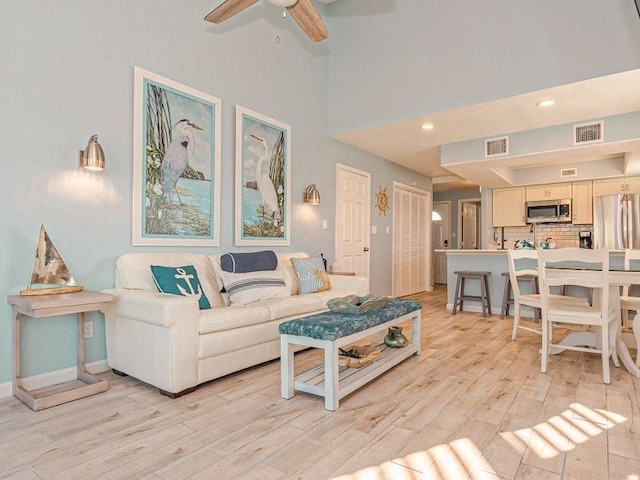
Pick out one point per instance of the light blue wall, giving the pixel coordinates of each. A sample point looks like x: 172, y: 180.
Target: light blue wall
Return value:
x: 404, y: 59
x: 67, y: 72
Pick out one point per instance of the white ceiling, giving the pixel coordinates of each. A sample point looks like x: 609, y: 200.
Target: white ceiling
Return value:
x: 405, y: 143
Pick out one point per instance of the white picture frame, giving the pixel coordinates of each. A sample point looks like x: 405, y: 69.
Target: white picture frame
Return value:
x: 174, y: 123
x: 263, y: 172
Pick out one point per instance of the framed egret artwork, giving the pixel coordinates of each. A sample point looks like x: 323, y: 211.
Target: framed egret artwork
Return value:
x: 176, y: 163
x: 263, y: 167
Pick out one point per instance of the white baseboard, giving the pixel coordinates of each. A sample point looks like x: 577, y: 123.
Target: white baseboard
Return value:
x: 52, y: 378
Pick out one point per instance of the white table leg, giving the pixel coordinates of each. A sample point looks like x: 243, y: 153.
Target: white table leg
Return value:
x: 626, y: 340
x: 636, y: 332
x: 416, y: 332
x: 286, y: 367
x: 331, y: 376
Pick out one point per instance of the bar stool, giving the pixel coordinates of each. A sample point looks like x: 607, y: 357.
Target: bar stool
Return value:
x: 507, y: 298
x: 460, y: 295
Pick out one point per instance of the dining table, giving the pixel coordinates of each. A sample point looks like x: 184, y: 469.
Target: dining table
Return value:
x: 624, y: 339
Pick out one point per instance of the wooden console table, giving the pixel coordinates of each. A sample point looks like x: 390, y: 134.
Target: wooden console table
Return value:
x: 38, y: 306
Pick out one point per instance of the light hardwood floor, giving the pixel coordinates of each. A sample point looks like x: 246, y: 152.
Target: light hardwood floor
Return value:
x: 473, y: 405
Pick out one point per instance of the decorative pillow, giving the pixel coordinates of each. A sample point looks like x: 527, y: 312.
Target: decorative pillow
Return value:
x: 312, y: 277
x: 249, y: 262
x: 244, y: 288
x: 180, y: 281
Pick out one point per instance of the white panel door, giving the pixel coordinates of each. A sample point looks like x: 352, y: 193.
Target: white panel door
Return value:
x: 469, y: 226
x: 353, y: 219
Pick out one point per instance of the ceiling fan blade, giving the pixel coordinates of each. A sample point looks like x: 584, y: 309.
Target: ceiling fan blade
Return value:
x: 306, y: 15
x: 228, y: 9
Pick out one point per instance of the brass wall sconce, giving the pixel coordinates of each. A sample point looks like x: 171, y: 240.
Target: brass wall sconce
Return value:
x: 312, y: 195
x: 92, y: 157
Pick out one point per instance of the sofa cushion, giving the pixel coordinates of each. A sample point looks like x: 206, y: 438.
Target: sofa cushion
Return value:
x: 249, y: 262
x: 312, y: 277
x: 245, y: 288
x: 294, y: 305
x: 181, y: 280
x: 235, y: 316
x: 237, y: 340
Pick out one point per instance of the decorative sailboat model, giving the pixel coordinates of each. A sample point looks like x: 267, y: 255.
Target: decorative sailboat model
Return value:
x: 50, y: 274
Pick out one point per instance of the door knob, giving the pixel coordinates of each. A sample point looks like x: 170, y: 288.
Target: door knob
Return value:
x: 366, y: 249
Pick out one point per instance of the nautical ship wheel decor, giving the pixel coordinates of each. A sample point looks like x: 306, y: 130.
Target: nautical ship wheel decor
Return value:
x: 382, y: 201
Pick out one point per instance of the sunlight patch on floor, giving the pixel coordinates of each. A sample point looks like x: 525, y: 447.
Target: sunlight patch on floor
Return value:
x: 562, y: 433
x: 458, y: 459
x: 462, y: 459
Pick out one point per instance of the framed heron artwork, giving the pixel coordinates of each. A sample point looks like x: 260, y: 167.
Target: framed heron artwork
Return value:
x: 176, y: 163
x: 263, y: 167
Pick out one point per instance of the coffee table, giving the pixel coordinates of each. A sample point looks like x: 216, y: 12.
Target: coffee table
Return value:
x: 331, y: 331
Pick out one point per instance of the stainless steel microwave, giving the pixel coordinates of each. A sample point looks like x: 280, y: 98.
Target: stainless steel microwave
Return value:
x: 549, y: 211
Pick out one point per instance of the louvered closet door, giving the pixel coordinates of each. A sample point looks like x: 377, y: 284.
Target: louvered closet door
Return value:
x: 410, y: 255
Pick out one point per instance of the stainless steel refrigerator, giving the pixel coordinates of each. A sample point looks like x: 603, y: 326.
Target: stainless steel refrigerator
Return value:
x: 616, y: 221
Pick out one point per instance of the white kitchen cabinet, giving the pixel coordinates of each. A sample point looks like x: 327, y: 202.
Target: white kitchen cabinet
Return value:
x: 582, y: 203
x: 508, y: 207
x: 612, y: 186
x: 554, y: 191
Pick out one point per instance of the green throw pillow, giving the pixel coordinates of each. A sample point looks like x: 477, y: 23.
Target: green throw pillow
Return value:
x: 180, y: 281
x: 312, y: 277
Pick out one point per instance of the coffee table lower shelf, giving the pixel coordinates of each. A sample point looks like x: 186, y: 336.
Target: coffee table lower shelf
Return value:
x: 350, y: 379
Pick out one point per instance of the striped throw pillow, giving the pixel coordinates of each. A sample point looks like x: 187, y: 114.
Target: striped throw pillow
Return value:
x: 245, y: 288
x: 312, y: 277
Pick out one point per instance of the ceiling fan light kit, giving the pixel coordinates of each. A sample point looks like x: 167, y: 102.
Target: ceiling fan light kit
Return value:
x: 302, y: 11
x: 282, y: 3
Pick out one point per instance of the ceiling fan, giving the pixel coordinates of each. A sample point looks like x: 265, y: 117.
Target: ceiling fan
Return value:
x: 302, y: 11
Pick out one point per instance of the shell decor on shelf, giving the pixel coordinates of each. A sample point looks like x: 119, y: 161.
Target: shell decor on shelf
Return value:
x: 355, y: 305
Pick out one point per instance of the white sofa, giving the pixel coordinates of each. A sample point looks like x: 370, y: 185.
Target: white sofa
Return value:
x: 167, y: 341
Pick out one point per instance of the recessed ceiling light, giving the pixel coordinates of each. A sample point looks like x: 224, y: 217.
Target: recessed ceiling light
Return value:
x: 427, y: 126
x: 546, y: 103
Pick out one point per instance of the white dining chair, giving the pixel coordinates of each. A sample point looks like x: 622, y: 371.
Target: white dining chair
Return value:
x: 525, y: 262
x: 631, y: 303
x: 583, y: 268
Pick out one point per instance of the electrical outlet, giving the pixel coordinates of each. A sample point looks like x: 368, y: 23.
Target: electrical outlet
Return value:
x: 88, y: 329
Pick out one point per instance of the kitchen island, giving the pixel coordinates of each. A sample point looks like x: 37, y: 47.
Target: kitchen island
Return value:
x: 496, y: 262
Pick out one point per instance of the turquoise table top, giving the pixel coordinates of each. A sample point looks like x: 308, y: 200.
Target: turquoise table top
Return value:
x: 331, y: 325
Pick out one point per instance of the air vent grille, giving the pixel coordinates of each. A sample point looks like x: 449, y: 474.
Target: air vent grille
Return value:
x: 588, y: 133
x: 569, y: 172
x: 496, y: 146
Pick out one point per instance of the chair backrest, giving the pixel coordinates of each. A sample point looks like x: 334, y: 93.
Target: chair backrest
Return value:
x: 629, y: 257
x: 521, y: 262
x: 574, y: 267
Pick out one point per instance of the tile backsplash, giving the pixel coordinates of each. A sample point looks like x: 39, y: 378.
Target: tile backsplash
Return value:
x: 564, y: 234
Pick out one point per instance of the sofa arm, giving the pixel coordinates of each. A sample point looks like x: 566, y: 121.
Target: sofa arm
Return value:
x: 153, y: 337
x: 360, y: 285
x: 161, y: 309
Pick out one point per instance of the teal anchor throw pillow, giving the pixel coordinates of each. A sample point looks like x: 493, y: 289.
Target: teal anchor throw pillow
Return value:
x: 180, y: 281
